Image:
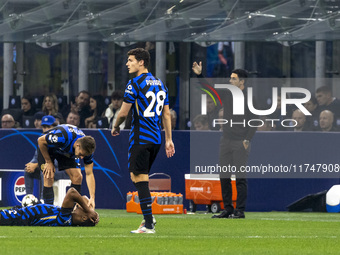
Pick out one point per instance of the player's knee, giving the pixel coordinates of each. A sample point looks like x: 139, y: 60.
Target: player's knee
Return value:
x: 48, y: 182
x: 77, y: 178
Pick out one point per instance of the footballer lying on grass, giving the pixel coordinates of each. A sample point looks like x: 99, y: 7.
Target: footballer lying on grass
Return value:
x: 73, y: 212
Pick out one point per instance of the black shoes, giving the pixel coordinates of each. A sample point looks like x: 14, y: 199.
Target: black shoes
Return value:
x: 235, y: 215
x: 223, y: 214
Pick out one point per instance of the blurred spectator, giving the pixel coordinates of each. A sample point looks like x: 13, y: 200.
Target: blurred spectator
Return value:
x: 26, y: 106
x: 326, y: 101
x: 73, y: 118
x: 326, y: 121
x: 59, y: 118
x: 212, y: 113
x: 221, y: 116
x: 81, y: 106
x: 312, y: 122
x: 97, y: 106
x: 7, y: 121
x: 173, y: 115
x: 37, y: 119
x: 112, y: 111
x: 300, y: 119
x: 50, y: 105
x: 278, y: 117
x: 225, y: 55
x: 267, y: 125
x: 201, y: 122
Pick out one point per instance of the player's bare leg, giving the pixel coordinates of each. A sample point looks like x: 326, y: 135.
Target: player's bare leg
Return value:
x: 76, y: 178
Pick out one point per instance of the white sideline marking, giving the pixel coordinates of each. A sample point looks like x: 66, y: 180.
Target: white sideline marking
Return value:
x: 309, y: 219
x: 193, y: 237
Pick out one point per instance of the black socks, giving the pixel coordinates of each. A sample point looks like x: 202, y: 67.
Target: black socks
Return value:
x: 145, y: 202
x: 48, y: 195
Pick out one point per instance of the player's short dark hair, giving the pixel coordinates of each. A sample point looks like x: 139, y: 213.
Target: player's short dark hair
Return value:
x: 88, y: 144
x: 241, y: 73
x: 87, y: 223
x: 74, y: 112
x: 140, y: 54
x: 84, y: 92
x: 29, y: 99
x: 117, y: 95
x: 324, y: 89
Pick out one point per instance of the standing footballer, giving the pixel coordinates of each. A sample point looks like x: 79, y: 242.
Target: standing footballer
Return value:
x: 66, y: 144
x: 148, y: 97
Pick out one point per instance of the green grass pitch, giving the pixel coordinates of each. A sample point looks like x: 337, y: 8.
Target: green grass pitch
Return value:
x: 259, y: 233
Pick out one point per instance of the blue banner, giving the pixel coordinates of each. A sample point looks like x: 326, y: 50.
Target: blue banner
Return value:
x: 113, y: 179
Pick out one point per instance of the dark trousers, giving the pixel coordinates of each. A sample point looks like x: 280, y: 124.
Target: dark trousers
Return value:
x: 242, y: 189
x: 29, y: 181
x: 233, y: 155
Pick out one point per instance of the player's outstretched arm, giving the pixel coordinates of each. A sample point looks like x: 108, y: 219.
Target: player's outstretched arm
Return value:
x: 91, y: 184
x: 169, y: 145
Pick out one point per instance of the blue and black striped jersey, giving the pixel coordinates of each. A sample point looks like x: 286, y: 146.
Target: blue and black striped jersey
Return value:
x: 62, y: 138
x: 148, y: 95
x: 37, y: 215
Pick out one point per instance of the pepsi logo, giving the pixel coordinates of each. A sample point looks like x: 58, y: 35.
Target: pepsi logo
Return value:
x: 19, y: 188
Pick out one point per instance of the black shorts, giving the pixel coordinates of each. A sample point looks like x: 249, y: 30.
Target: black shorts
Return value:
x: 141, y: 157
x: 63, y: 161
